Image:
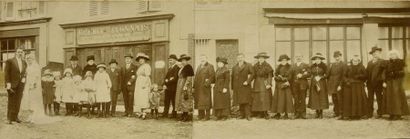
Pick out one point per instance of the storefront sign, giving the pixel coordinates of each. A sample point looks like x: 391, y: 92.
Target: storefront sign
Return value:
x: 114, y: 33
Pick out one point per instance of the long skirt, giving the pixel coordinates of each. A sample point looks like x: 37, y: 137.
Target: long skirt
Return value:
x: 141, y: 93
x: 318, y: 100
x: 394, y: 99
x: 354, y: 100
x: 282, y: 101
x: 261, y: 101
x: 222, y: 103
x: 184, y: 101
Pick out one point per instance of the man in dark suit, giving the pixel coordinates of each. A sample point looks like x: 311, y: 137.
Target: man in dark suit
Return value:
x: 334, y: 82
x: 300, y: 85
x: 15, y: 70
x: 170, y: 85
x: 77, y: 70
x: 115, y: 76
x: 128, y: 84
x: 374, y: 71
x: 205, y: 76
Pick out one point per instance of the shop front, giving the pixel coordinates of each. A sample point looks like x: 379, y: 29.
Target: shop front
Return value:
x: 113, y: 39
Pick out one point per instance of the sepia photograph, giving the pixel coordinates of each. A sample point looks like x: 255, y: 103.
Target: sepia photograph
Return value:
x: 204, y: 69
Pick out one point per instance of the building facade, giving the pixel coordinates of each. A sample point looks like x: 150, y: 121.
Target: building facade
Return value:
x: 56, y: 30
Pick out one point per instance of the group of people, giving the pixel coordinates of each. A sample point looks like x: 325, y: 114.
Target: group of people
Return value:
x: 97, y: 86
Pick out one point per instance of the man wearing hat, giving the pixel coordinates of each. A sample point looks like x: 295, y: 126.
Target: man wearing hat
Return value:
x: 374, y: 70
x: 170, y: 85
x: 115, y: 76
x: 77, y: 70
x: 300, y: 73
x: 128, y: 84
x: 205, y: 76
x: 242, y: 77
x: 334, y: 82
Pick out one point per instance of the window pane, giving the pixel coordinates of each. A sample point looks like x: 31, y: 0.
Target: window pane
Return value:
x: 302, y: 48
x: 319, y: 33
x: 3, y: 45
x: 383, y: 32
x: 398, y: 45
x: 301, y: 33
x: 319, y: 47
x: 384, y: 44
x: 282, y: 48
x: 12, y: 44
x: 397, y: 32
x: 282, y: 34
x: 408, y: 33
x: 336, y: 33
x: 353, y: 48
x: 335, y: 46
x: 353, y: 32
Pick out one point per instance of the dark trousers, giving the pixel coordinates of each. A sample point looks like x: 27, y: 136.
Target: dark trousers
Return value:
x: 337, y: 100
x: 69, y: 108
x: 14, y: 101
x: 169, y: 100
x: 245, y: 110
x: 375, y: 90
x: 299, y: 96
x: 114, y: 96
x: 56, y: 108
x: 128, y: 101
x: 204, y: 114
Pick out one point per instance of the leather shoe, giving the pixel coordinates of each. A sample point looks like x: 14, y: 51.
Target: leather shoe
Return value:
x: 18, y: 121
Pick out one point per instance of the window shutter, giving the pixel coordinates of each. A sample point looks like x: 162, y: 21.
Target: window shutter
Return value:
x: 142, y: 6
x: 155, y: 5
x: 93, y: 9
x: 41, y: 7
x: 104, y: 8
x: 10, y: 9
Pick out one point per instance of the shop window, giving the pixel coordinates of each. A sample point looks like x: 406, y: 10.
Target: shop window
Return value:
x: 8, y: 47
x: 394, y: 38
x: 309, y: 40
x: 98, y: 8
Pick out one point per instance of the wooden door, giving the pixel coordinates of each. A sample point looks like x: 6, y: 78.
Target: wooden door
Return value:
x: 159, y: 63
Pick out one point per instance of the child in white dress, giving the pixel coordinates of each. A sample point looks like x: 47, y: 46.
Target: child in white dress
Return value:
x: 103, y: 86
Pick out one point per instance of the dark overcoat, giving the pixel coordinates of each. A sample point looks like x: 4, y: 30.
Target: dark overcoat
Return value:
x: 354, y: 95
x: 115, y: 77
x: 261, y: 96
x: 127, y: 76
x: 318, y: 99
x: 222, y: 100
x: 335, y: 76
x: 241, y: 92
x: 282, y: 101
x: 205, y: 76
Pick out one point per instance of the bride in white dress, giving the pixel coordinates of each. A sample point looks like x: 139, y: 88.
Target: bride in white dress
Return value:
x: 32, y: 95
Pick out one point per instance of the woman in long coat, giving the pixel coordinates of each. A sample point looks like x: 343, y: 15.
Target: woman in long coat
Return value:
x: 394, y: 101
x: 205, y: 76
x: 282, y: 101
x: 262, y: 93
x: 354, y: 95
x: 142, y: 85
x: 318, y: 99
x: 103, y: 86
x: 183, y: 96
x: 222, y: 96
x: 242, y: 77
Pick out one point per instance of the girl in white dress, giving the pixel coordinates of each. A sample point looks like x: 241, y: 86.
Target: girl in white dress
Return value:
x: 57, y: 92
x: 142, y: 85
x: 67, y: 94
x: 88, y: 92
x: 103, y: 86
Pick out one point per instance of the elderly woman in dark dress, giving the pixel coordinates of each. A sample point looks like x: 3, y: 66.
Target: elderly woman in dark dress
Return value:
x: 318, y: 99
x: 262, y: 85
x: 282, y: 101
x: 183, y: 97
x: 222, y: 96
x: 394, y: 101
x: 354, y: 95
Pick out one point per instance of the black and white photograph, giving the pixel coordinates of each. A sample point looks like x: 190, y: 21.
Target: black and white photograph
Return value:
x: 201, y: 69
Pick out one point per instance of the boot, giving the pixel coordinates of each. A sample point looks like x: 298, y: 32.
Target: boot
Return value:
x: 277, y: 116
x: 317, y: 114
x: 321, y: 114
x: 266, y: 115
x: 286, y: 116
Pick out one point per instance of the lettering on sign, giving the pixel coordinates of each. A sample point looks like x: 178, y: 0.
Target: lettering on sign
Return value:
x: 114, y: 33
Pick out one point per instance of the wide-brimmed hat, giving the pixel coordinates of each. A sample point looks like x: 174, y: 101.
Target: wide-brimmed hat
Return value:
x: 222, y: 59
x: 337, y: 54
x: 128, y: 55
x: 68, y: 70
x: 141, y: 55
x: 283, y: 56
x: 262, y: 54
x: 74, y: 58
x: 317, y: 55
x: 47, y: 72
x: 113, y: 61
x: 101, y: 65
x: 184, y: 56
x: 172, y: 56
x: 374, y: 49
x: 90, y: 57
